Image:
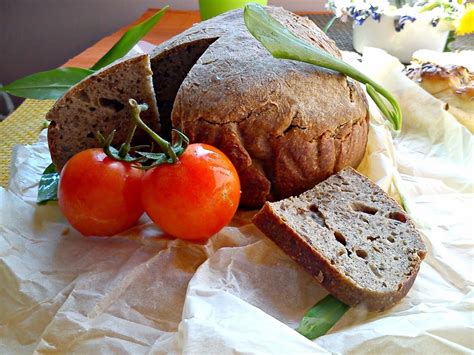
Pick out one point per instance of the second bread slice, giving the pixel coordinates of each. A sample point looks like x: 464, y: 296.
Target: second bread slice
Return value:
x: 351, y: 236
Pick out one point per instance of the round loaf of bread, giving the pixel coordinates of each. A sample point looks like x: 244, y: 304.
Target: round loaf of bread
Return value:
x: 285, y: 125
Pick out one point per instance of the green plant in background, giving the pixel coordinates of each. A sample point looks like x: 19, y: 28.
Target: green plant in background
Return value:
x: 52, y: 84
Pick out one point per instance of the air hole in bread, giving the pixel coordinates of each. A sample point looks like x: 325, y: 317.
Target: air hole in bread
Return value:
x: 111, y: 104
x: 90, y: 135
x: 374, y: 270
x: 371, y: 239
x: 340, y: 237
x: 317, y: 216
x: 361, y: 253
x: 399, y: 287
x: 398, y: 216
x: 364, y: 208
x: 377, y: 249
x: 391, y: 239
x: 83, y: 96
x: 396, y: 258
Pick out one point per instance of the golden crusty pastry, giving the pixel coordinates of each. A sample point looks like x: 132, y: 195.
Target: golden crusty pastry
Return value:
x: 452, y: 84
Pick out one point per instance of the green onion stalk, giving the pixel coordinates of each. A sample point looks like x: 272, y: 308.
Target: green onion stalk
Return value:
x: 283, y: 44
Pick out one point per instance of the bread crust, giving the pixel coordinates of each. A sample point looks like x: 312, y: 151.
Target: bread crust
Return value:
x: 327, y: 274
x: 285, y: 125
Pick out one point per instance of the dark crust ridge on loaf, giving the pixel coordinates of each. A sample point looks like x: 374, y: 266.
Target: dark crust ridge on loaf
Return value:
x: 100, y: 103
x: 285, y: 125
x: 351, y: 236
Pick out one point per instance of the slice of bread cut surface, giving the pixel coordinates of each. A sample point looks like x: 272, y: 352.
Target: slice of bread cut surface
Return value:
x: 351, y: 236
x: 100, y: 103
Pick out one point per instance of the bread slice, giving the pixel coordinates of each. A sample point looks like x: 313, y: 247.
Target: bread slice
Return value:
x: 100, y: 103
x: 351, y: 236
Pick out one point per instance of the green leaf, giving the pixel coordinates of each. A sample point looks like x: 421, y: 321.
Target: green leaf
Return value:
x: 283, y: 44
x: 128, y: 40
x: 322, y: 317
x: 329, y: 24
x: 451, y: 38
x: 45, y: 85
x: 48, y: 185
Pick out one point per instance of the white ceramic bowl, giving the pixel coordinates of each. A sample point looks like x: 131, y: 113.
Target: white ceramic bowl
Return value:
x: 416, y: 35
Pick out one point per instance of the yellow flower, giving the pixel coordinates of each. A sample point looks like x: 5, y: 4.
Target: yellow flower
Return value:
x: 466, y: 22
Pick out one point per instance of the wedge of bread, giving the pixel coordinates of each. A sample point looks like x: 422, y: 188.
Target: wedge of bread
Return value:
x: 100, y: 103
x: 351, y: 236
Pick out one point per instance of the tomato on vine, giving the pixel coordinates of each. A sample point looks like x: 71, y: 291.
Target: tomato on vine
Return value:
x: 99, y: 195
x: 194, y: 197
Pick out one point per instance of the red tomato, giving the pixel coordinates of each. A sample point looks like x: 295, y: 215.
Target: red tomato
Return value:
x: 194, y: 198
x: 98, y: 195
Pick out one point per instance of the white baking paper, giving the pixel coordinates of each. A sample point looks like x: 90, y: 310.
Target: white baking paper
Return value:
x: 141, y: 292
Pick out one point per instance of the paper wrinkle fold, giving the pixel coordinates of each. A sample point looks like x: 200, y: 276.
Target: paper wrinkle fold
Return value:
x: 144, y: 293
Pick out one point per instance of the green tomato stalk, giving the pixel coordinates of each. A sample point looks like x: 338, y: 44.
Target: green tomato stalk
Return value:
x: 164, y: 144
x: 283, y: 44
x: 170, y: 151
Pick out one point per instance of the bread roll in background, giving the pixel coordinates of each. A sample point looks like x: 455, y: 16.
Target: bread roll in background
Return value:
x: 449, y: 78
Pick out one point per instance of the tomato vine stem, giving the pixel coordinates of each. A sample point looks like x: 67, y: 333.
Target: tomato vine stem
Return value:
x: 165, y: 146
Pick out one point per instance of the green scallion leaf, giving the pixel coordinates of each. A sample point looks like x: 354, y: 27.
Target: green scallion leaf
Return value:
x: 128, y: 40
x: 283, y: 44
x: 46, y: 85
x: 322, y: 317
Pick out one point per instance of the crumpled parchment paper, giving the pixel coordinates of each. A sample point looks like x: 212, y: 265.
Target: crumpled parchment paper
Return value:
x: 141, y: 292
